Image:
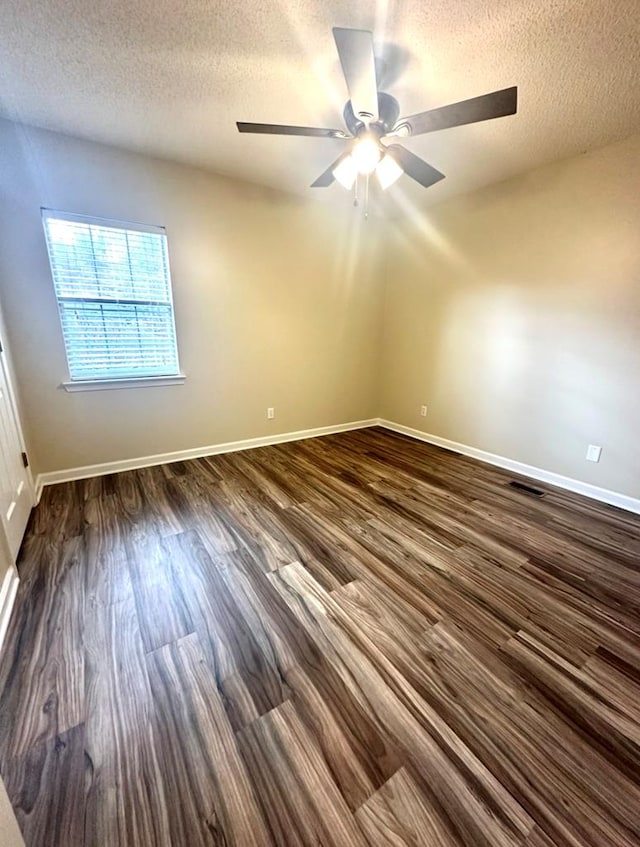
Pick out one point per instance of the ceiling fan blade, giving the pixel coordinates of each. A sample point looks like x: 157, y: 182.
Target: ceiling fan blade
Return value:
x: 326, y: 178
x: 355, y: 49
x: 414, y: 166
x: 483, y: 108
x: 283, y: 129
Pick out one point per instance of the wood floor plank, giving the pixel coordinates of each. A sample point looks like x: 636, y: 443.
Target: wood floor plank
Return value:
x: 599, y: 782
x: 212, y: 798
x: 513, y: 597
x: 62, y: 513
x: 385, y: 610
x: 356, y: 639
x: 256, y: 476
x: 163, y: 612
x: 410, y: 719
x: 399, y: 815
x: 104, y: 531
x: 126, y: 801
x: 46, y: 686
x: 327, y: 552
x: 359, y: 753
x: 610, y: 730
x: 327, y: 490
x: 299, y: 797
x: 199, y: 511
x: 47, y: 789
x: 282, y: 644
x: 251, y: 524
x: 225, y: 632
x: 488, y: 707
x: 151, y: 482
x: 131, y: 496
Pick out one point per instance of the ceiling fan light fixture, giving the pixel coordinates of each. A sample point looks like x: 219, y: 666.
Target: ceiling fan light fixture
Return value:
x: 366, y: 154
x: 388, y: 171
x: 346, y: 172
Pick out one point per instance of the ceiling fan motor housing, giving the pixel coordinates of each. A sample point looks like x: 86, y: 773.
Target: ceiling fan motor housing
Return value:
x: 388, y: 113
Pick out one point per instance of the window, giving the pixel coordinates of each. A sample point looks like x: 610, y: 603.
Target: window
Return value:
x: 114, y: 295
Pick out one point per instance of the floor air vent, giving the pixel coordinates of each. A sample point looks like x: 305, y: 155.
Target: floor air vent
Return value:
x: 526, y: 489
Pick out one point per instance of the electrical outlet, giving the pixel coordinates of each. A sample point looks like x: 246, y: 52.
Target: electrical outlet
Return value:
x: 423, y: 411
x: 271, y: 413
x: 593, y: 453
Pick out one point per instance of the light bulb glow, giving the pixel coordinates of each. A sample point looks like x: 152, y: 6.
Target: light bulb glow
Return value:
x: 346, y: 172
x: 366, y: 155
x: 388, y: 171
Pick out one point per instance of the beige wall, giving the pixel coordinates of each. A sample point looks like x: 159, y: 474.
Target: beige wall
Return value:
x: 276, y: 301
x: 514, y: 313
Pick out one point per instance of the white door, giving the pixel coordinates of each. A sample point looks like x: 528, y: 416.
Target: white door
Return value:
x: 16, y: 496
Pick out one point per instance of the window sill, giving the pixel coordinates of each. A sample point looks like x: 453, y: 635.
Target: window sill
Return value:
x: 108, y: 384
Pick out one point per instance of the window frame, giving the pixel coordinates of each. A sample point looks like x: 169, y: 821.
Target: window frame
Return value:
x: 132, y: 380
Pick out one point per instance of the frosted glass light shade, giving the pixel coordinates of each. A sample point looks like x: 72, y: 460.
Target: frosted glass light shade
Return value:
x: 346, y: 172
x: 388, y: 171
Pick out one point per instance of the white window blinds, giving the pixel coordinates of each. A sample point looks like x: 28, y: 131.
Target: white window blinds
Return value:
x: 114, y: 295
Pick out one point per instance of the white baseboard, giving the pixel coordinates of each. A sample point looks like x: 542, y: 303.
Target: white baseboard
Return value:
x: 86, y: 471
x: 613, y: 498
x: 8, y: 591
x: 623, y: 501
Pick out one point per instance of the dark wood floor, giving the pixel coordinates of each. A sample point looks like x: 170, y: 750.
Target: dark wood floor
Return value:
x: 352, y: 640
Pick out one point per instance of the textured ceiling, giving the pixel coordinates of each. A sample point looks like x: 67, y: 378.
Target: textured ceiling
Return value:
x: 171, y: 78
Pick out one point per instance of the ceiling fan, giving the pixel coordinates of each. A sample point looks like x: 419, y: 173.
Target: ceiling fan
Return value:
x: 371, y: 117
